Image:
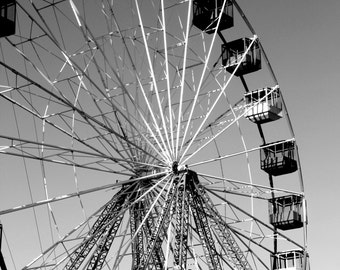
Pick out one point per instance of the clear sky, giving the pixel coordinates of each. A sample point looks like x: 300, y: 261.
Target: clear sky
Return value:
x: 302, y: 40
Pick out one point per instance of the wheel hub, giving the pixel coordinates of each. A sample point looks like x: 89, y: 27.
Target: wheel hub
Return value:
x: 175, y: 167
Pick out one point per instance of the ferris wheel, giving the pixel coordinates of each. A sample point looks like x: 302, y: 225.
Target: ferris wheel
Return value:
x: 144, y: 135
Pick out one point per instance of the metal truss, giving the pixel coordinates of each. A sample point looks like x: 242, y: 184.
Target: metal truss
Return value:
x: 149, y: 223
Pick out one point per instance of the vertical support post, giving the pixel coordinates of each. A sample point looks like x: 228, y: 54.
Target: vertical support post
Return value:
x: 275, y: 229
x: 202, y: 222
x: 2, y: 260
